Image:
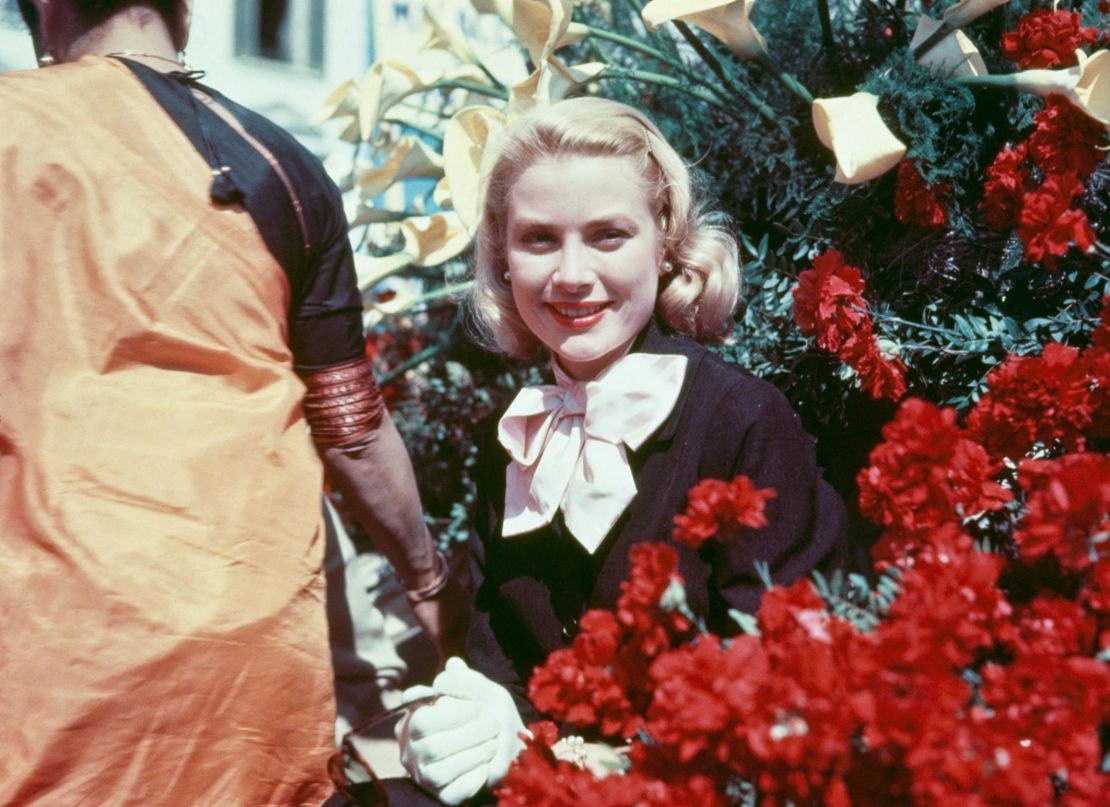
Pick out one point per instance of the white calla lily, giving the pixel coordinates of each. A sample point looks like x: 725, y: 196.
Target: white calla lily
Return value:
x: 967, y: 11
x: 544, y: 26
x: 371, y: 270
x: 955, y: 55
x: 852, y: 128
x: 726, y: 20
x: 502, y: 8
x: 390, y: 81
x: 440, y: 33
x: 342, y: 102
x: 467, y: 148
x: 1086, y: 85
x: 431, y: 240
x: 411, y: 158
x: 551, y: 82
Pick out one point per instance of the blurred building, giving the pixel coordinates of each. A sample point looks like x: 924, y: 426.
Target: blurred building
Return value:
x: 283, y: 57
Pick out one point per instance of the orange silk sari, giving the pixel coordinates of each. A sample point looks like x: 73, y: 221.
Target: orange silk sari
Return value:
x: 162, y: 624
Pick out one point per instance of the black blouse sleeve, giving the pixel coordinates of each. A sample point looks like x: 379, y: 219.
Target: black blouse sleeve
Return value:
x: 484, y: 650
x: 325, y: 321
x: 807, y: 521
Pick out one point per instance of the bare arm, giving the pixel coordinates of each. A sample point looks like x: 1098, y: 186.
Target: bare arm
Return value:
x: 370, y: 466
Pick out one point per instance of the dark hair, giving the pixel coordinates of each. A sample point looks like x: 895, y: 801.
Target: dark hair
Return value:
x: 94, y: 12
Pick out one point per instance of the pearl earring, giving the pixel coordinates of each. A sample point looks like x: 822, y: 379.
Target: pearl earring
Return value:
x: 505, y: 276
x: 668, y: 267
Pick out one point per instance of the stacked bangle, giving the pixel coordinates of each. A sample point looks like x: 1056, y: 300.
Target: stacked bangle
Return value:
x: 439, y: 582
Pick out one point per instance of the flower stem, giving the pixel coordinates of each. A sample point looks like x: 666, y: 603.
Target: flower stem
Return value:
x: 714, y: 64
x: 415, y: 361
x: 471, y: 86
x: 672, y: 83
x: 784, y: 78
x: 826, y: 26
x: 633, y: 45
x: 919, y: 325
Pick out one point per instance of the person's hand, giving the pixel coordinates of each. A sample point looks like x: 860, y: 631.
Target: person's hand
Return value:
x: 598, y: 758
x: 443, y: 616
x: 465, y: 739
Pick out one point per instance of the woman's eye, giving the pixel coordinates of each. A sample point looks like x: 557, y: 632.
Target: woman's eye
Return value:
x: 611, y: 237
x: 537, y: 239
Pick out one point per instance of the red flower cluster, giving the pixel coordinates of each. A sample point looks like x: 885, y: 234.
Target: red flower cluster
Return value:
x: 916, y: 202
x: 601, y: 680
x: 777, y: 710
x: 926, y: 474
x: 828, y: 301
x: 1066, y: 146
x: 1065, y: 142
x: 1007, y: 181
x: 1068, y: 505
x: 537, y: 779
x: 713, y: 503
x: 977, y: 685
x: 1045, y: 399
x: 829, y: 304
x: 1046, y: 38
x: 1048, y: 225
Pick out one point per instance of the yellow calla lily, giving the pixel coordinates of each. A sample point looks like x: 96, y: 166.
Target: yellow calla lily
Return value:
x: 1086, y: 85
x: 342, y: 102
x: 389, y: 81
x: 503, y: 8
x: 955, y: 55
x: 411, y: 158
x: 466, y: 154
x: 441, y: 34
x: 726, y: 20
x: 371, y: 270
x: 431, y: 240
x: 551, y: 82
x: 967, y: 11
x: 852, y: 128
x: 544, y: 26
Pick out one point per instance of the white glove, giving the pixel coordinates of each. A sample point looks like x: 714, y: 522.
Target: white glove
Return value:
x: 465, y: 739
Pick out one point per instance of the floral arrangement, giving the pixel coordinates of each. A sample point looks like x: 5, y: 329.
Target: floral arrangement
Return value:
x: 919, y: 189
x: 974, y: 673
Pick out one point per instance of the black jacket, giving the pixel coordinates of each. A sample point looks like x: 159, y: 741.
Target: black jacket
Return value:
x: 530, y: 589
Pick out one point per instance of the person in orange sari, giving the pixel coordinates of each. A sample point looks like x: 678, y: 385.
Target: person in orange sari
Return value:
x: 180, y: 346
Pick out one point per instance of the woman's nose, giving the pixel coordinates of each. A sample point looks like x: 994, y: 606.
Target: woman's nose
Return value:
x: 573, y: 270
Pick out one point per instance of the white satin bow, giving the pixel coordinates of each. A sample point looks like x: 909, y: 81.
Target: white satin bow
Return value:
x: 567, y: 444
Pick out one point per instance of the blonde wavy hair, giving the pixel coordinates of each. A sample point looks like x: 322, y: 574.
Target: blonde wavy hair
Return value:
x: 696, y: 297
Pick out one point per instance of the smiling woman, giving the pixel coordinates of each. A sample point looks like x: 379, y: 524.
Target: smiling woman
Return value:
x: 592, y: 247
x: 584, y: 261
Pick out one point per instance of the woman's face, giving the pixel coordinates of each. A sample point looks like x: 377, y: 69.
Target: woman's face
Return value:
x: 584, y: 251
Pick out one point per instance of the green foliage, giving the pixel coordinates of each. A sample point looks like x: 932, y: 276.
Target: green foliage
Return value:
x: 951, y: 302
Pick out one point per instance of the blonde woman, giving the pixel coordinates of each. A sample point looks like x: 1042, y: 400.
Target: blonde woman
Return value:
x: 593, y: 250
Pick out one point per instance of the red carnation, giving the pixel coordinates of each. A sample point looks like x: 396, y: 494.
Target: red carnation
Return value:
x: 1065, y: 141
x: 829, y: 304
x: 1007, y: 179
x: 1067, y: 510
x: 883, y: 378
x: 1046, y: 38
x: 1035, y: 399
x: 713, y: 504
x: 926, y: 474
x: 1048, y: 226
x: 1053, y: 626
x: 828, y: 301
x: 917, y: 203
